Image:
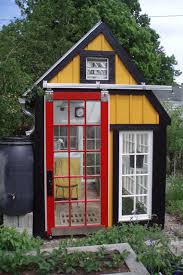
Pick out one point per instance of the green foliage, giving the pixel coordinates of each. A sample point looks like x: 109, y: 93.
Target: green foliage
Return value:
x: 29, y: 46
x: 175, y: 139
x: 11, y: 240
x: 150, y: 245
x: 156, y: 256
x: 175, y: 208
x: 174, y: 188
x: 174, y: 196
x: 14, y: 257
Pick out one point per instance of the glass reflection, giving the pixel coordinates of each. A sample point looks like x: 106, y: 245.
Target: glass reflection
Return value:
x: 60, y: 111
x: 77, y: 112
x: 92, y: 112
x: 60, y: 138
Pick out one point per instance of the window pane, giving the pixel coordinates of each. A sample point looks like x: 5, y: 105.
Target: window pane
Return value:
x: 60, y: 111
x: 77, y: 213
x: 81, y: 189
x: 62, y: 188
x: 128, y: 185
x: 77, y: 112
x: 97, y: 68
x: 76, y: 163
x: 93, y: 188
x: 127, y: 205
x: 61, y: 164
x: 142, y: 143
x: 62, y: 214
x: 128, y: 143
x: 60, y: 138
x: 141, y: 184
x: 93, y: 213
x: 141, y: 205
x: 142, y: 164
x: 93, y: 137
x: 92, y: 163
x: 128, y: 165
x: 76, y: 138
x: 92, y: 112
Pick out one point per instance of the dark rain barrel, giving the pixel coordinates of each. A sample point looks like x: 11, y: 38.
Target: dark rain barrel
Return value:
x: 16, y: 176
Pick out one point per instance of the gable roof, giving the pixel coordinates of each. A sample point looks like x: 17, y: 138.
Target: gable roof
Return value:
x: 100, y: 27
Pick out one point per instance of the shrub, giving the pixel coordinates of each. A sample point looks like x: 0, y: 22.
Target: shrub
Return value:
x: 174, y: 196
x: 11, y: 240
x: 174, y: 188
x: 150, y: 245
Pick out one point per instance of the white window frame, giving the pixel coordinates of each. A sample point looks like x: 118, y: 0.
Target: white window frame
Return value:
x: 98, y: 77
x: 136, y: 217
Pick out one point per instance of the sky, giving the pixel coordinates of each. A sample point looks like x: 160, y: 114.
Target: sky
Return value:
x: 170, y: 29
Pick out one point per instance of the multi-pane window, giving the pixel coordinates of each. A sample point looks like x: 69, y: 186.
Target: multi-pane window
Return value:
x: 77, y: 162
x: 135, y: 175
x: 97, y: 68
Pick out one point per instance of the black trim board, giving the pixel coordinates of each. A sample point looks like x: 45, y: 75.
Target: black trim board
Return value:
x: 115, y: 176
x: 133, y: 127
x: 39, y: 203
x: 103, y: 54
x: 158, y: 175
x: 102, y: 28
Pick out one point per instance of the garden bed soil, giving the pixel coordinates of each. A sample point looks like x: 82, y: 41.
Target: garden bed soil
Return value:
x: 173, y: 226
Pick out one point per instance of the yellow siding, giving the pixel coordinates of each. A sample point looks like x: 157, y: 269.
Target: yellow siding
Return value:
x: 110, y: 207
x: 70, y: 73
x: 132, y: 109
x: 99, y: 44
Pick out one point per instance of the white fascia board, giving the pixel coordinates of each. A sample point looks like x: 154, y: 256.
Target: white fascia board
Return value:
x: 47, y: 85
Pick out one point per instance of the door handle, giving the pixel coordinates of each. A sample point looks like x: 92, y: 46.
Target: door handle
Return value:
x: 50, y: 183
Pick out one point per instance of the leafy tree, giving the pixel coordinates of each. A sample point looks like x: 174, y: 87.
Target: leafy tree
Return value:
x: 48, y: 28
x: 175, y: 139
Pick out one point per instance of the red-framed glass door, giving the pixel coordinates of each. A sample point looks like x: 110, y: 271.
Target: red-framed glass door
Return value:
x: 76, y: 160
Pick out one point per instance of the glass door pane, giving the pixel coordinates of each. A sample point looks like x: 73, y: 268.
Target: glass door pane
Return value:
x: 77, y: 153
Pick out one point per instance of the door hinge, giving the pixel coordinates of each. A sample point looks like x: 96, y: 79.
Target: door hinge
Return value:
x: 49, y: 95
x: 104, y: 96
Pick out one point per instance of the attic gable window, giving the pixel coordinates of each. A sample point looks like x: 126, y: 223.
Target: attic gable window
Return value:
x: 97, y: 68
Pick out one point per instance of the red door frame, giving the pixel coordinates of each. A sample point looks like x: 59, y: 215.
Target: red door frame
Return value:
x: 70, y: 95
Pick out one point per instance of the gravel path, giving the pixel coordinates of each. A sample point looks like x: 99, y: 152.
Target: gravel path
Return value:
x: 173, y: 227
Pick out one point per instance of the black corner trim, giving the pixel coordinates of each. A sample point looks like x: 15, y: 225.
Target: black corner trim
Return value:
x: 39, y: 203
x: 115, y: 176
x: 164, y: 117
x: 102, y: 28
x: 104, y: 54
x: 133, y: 127
x: 159, y: 175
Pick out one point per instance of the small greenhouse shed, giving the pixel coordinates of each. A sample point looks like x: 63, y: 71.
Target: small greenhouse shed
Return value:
x: 100, y: 142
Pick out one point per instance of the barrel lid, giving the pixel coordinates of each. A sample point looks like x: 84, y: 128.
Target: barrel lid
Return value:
x: 16, y: 140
